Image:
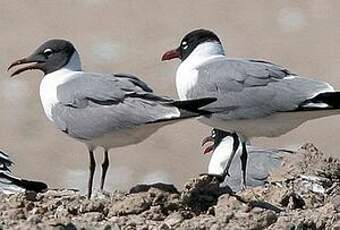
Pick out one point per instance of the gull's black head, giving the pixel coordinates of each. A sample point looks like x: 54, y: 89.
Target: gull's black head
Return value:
x: 49, y: 57
x: 189, y: 43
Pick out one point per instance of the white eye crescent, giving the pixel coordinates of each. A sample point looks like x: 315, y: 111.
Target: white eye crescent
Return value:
x: 184, y: 45
x: 48, y: 51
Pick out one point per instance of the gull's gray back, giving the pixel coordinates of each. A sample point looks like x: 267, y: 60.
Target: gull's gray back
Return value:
x: 93, y: 105
x: 251, y: 88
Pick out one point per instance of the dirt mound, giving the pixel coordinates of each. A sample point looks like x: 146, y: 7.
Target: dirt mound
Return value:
x: 304, y: 193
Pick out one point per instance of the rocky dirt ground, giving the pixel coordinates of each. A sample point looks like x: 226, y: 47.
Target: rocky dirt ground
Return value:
x: 304, y: 193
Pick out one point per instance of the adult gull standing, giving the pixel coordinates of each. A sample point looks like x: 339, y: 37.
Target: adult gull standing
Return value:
x: 255, y: 98
x: 107, y: 110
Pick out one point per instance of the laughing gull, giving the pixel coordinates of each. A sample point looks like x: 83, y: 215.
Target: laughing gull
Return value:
x: 10, y: 184
x: 255, y: 98
x: 100, y: 110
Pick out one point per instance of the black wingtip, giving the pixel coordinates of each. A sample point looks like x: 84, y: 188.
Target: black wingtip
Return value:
x: 36, y: 186
x: 194, y: 105
x: 331, y: 99
x: 28, y: 185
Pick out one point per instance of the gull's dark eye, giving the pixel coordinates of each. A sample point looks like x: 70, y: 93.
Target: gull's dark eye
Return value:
x: 47, y: 52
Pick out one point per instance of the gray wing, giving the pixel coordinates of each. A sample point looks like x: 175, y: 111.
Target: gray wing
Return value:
x: 103, y: 89
x: 261, y: 162
x: 252, y: 88
x: 93, y: 105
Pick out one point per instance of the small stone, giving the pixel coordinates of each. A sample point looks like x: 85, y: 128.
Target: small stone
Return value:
x: 164, y: 226
x: 16, y: 214
x: 270, y: 217
x: 336, y: 227
x: 290, y: 226
x: 107, y: 227
x: 34, y: 219
x: 111, y: 227
x: 39, y: 210
x: 29, y: 206
x: 320, y: 225
x: 16, y: 201
x: 292, y: 201
x: 215, y: 227
x: 336, y: 202
x: 29, y: 226
x: 174, y: 220
x: 159, y: 186
x: 133, y: 204
x: 31, y: 195
x: 61, y: 211
x: 92, y: 206
x: 70, y: 226
x: 115, y: 227
x: 94, y: 216
x: 226, y: 207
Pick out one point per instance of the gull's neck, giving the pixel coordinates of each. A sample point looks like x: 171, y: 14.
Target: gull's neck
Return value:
x: 62, y: 75
x: 204, y: 52
x: 187, y: 74
x: 74, y: 63
x: 50, y: 83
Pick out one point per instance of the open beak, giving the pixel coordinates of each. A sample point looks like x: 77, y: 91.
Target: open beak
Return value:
x: 27, y: 60
x: 171, y: 55
x: 210, y: 148
x: 207, y: 139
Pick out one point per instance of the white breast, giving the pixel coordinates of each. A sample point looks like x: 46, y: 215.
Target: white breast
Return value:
x: 187, y: 72
x: 186, y: 78
x: 221, y: 156
x: 48, y: 88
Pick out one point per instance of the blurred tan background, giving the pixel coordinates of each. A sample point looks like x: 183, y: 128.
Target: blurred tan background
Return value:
x: 130, y: 36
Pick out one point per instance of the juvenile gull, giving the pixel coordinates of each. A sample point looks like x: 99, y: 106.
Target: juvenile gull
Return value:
x: 107, y: 110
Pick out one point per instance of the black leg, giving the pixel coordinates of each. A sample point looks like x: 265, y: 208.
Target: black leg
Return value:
x: 105, y: 166
x: 244, y: 158
x: 92, y: 168
x: 236, y: 144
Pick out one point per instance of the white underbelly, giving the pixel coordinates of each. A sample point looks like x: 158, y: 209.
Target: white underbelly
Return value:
x: 125, y: 137
x: 271, y: 126
x: 121, y: 138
